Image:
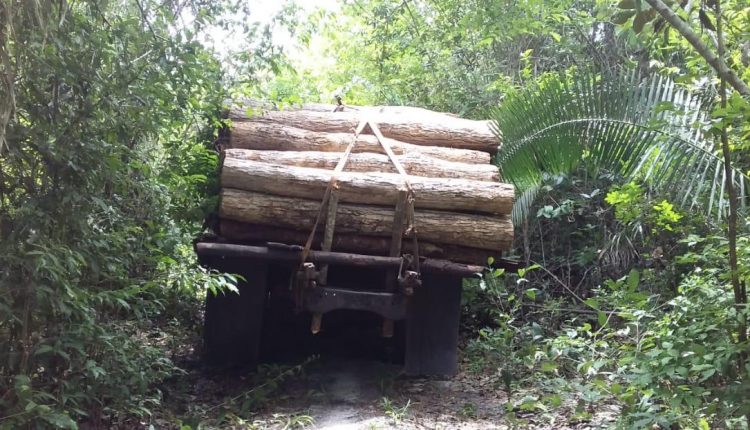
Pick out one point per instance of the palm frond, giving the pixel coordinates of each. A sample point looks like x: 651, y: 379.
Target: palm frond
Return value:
x: 650, y: 130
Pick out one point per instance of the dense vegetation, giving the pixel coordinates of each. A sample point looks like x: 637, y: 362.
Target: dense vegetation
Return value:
x: 626, y: 130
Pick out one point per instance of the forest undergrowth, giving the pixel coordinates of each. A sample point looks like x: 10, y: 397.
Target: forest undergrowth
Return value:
x: 625, y: 131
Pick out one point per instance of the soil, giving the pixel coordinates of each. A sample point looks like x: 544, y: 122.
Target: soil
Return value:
x: 349, y: 393
x: 348, y: 377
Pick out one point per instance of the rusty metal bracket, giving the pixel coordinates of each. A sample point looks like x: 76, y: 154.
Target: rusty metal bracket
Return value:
x: 408, y: 281
x: 391, y: 306
x: 307, y: 277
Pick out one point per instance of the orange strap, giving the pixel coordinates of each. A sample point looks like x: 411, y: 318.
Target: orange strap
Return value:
x: 410, y: 221
x: 331, y: 185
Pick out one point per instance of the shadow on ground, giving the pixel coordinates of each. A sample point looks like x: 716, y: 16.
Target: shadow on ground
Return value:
x: 347, y: 377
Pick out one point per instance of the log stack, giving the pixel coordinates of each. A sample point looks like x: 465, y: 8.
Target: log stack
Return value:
x: 277, y: 165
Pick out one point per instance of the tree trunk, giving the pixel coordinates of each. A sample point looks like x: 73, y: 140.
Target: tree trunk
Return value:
x: 253, y: 233
x: 715, y: 61
x: 273, y: 136
x: 493, y: 233
x: 460, y: 195
x: 417, y: 127
x: 414, y: 163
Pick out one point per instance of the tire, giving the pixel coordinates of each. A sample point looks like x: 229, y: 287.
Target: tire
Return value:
x: 233, y: 322
x: 432, y: 323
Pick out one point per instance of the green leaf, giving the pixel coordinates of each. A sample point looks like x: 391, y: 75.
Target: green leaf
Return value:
x: 640, y: 21
x: 551, y: 128
x: 602, y: 318
x: 549, y: 366
x: 622, y: 17
x: 593, y: 303
x: 634, y: 278
x: 61, y: 421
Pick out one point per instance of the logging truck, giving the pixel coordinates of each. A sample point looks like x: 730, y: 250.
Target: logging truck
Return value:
x: 383, y: 210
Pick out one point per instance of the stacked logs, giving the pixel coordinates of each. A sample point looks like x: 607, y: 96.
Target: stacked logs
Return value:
x: 278, y: 164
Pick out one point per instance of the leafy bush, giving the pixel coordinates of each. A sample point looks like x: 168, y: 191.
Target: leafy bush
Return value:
x: 103, y: 183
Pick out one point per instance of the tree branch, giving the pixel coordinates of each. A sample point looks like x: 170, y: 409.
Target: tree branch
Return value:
x: 714, y: 60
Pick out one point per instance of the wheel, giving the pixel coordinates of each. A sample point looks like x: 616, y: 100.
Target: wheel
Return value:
x: 432, y: 322
x: 233, y: 322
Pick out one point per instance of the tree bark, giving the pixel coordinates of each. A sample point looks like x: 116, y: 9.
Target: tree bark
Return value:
x: 239, y: 109
x: 274, y: 136
x: 252, y: 233
x: 415, y: 164
x: 476, y: 231
x: 740, y: 295
x: 718, y: 63
x: 420, y: 128
x: 461, y: 195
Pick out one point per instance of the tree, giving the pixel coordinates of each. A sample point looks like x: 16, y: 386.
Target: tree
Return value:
x: 638, y: 129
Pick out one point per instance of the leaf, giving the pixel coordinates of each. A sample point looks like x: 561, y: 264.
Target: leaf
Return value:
x: 61, y: 421
x: 607, y: 123
x: 640, y: 21
x: 549, y: 366
x: 593, y: 303
x: 622, y: 17
x: 634, y: 278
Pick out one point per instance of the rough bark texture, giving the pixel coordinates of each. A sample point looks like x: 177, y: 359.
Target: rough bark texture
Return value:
x: 253, y: 233
x: 240, y: 108
x: 274, y: 136
x: 414, y: 163
x: 418, y: 127
x: 461, y: 195
x: 493, y: 233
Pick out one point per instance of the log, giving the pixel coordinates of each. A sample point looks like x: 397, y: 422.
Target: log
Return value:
x: 414, y: 163
x: 274, y: 136
x: 461, y: 195
x: 239, y: 109
x: 420, y: 128
x: 494, y: 233
x: 253, y: 233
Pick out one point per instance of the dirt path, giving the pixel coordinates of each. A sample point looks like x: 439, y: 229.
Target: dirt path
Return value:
x: 338, y: 393
x: 357, y: 394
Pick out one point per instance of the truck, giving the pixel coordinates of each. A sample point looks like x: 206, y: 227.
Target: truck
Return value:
x: 379, y: 210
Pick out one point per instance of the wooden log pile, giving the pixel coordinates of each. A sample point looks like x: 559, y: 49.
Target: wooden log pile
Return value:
x: 277, y: 165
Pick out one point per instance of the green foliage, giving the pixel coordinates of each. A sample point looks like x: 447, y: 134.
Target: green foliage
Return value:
x: 449, y: 55
x: 627, y: 200
x: 665, y: 216
x: 639, y: 129
x: 395, y: 413
x: 103, y: 184
x: 666, y: 358
x: 631, y: 206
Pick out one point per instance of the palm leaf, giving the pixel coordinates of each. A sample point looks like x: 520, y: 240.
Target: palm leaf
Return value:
x: 649, y: 130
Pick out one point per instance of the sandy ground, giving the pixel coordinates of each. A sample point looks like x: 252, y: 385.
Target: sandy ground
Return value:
x: 352, y: 394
